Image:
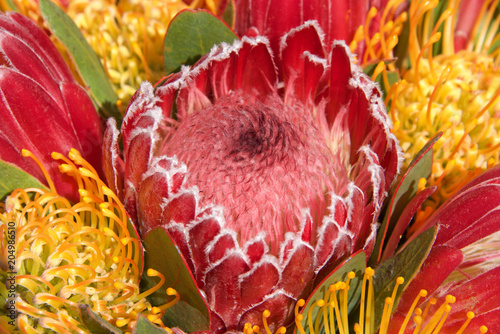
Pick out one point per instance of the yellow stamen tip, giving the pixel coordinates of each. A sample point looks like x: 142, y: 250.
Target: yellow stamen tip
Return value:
x: 266, y: 314
x: 400, y: 280
x: 483, y: 329
x: 152, y: 272
x: 171, y: 292
x: 351, y: 275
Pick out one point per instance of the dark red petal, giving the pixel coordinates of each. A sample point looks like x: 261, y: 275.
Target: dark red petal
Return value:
x: 181, y: 209
x: 442, y: 260
x: 299, y: 270
x: 85, y: 123
x: 220, y: 247
x: 255, y: 70
x: 301, y: 53
x: 223, y: 290
x: 200, y: 234
x: 153, y: 192
x: 278, y: 304
x: 257, y: 283
x: 137, y: 158
x: 37, y: 40
x: 256, y: 249
x: 113, y: 166
x: 476, y: 294
x: 23, y: 59
x: 340, y: 73
x: 471, y: 216
x: 326, y: 244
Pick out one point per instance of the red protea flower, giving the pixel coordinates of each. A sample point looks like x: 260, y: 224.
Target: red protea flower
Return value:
x: 43, y: 109
x: 463, y: 261
x: 263, y: 181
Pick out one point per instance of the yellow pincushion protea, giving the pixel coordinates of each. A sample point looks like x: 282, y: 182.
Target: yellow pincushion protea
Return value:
x: 126, y: 35
x: 455, y: 92
x: 73, y: 254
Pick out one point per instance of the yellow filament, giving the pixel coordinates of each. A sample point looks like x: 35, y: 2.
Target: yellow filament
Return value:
x: 421, y: 294
x: 26, y: 153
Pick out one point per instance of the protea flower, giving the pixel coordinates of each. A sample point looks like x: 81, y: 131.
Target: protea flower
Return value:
x: 264, y: 181
x: 451, y: 86
x: 61, y: 114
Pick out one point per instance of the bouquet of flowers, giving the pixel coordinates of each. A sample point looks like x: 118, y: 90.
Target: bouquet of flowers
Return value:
x: 255, y: 167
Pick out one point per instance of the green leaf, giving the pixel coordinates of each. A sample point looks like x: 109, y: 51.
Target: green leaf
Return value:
x: 133, y: 233
x: 190, y: 35
x: 229, y: 14
x: 402, y: 193
x: 88, y: 63
x: 356, y: 263
x: 13, y: 178
x: 405, y: 264
x: 144, y: 326
x: 190, y: 313
x: 94, y: 323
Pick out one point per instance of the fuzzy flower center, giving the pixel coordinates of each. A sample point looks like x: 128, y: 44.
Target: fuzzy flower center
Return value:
x: 264, y: 161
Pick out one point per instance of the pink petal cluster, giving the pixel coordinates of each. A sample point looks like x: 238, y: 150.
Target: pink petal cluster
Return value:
x: 263, y: 180
x: 43, y: 109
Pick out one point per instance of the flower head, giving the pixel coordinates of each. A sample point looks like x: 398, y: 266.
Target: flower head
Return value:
x: 262, y: 180
x: 452, y: 88
x: 37, y: 82
x: 70, y: 255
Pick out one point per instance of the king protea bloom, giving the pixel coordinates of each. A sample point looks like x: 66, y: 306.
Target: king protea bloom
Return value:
x: 262, y: 180
x: 43, y: 109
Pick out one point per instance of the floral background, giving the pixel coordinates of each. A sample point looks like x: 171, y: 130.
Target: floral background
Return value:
x: 249, y: 166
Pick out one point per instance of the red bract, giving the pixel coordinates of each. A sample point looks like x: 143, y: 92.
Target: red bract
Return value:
x: 470, y: 215
x: 261, y: 180
x: 340, y: 20
x: 43, y: 109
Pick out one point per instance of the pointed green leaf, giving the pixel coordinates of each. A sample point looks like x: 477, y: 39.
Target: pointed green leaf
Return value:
x: 190, y: 35
x: 405, y: 264
x: 133, y: 233
x: 356, y: 263
x: 87, y: 61
x: 190, y: 313
x: 402, y: 193
x: 94, y: 323
x: 13, y: 178
x: 144, y: 326
x: 229, y: 14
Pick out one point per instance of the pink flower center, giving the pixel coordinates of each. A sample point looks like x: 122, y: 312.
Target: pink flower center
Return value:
x: 263, y: 161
